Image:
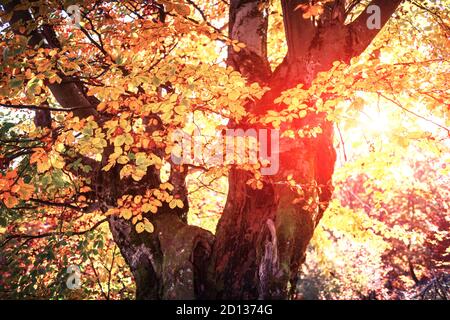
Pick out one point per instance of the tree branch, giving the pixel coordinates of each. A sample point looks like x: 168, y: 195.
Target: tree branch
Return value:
x: 299, y: 31
x: 248, y: 24
x: 34, y: 107
x: 50, y: 234
x: 413, y: 113
x: 362, y: 35
x: 68, y: 95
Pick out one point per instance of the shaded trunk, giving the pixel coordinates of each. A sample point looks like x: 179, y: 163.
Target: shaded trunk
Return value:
x: 168, y: 264
x: 263, y: 234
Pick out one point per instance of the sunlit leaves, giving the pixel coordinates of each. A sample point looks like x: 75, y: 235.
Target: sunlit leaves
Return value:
x: 148, y: 226
x: 126, y: 213
x: 149, y: 207
x: 177, y: 6
x: 135, y: 208
x: 310, y: 10
x: 145, y: 226
x: 176, y: 203
x: 41, y: 159
x: 140, y: 227
x: 13, y: 189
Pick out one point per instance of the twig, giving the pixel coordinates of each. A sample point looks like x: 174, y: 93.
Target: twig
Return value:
x: 342, y: 142
x: 33, y: 107
x: 413, y: 113
x: 50, y: 234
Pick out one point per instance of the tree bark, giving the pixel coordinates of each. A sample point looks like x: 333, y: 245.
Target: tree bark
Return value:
x: 262, y: 236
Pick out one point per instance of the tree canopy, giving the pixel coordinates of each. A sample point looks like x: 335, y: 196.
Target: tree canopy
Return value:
x: 93, y: 95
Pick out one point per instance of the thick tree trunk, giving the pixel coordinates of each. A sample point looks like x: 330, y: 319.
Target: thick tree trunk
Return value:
x: 171, y: 262
x: 270, y: 229
x: 168, y: 264
x: 263, y: 234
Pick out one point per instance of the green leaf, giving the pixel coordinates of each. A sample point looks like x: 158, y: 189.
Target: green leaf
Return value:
x: 15, y: 83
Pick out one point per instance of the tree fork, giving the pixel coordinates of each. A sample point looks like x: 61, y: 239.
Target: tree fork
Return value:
x: 270, y: 227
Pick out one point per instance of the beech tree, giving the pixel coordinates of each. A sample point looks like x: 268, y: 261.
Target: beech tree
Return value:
x: 107, y: 90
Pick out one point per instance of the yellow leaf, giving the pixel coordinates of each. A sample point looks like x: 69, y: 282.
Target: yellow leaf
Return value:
x: 57, y: 161
x: 126, y: 171
x: 176, y: 203
x: 148, y: 226
x: 101, y: 106
x: 126, y: 214
x: 138, y: 199
x: 140, y: 227
x: 26, y: 191
x: 41, y: 159
x: 167, y: 186
x: 148, y: 207
x: 108, y: 166
x: 119, y: 140
x: 259, y: 184
x: 233, y: 95
x: 139, y: 173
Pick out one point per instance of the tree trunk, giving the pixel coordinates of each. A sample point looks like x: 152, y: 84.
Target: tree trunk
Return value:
x: 168, y: 264
x: 263, y: 234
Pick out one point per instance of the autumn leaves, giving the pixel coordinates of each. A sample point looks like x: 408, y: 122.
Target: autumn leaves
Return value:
x: 13, y: 189
x: 135, y: 208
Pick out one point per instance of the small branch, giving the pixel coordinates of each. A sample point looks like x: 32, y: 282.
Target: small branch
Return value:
x: 203, y: 15
x: 56, y: 204
x: 50, y: 234
x: 413, y: 113
x: 342, y: 142
x: 33, y: 107
x: 110, y: 272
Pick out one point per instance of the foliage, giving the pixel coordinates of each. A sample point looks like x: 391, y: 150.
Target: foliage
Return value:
x: 387, y: 229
